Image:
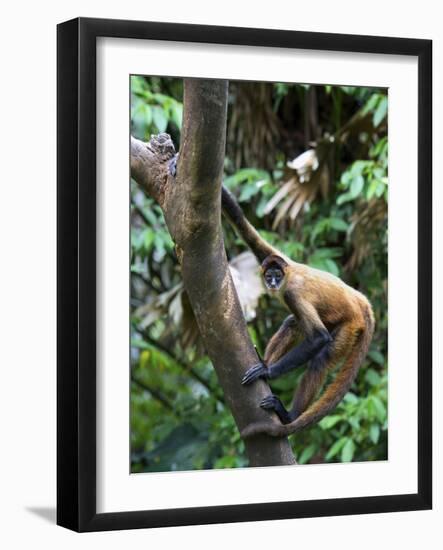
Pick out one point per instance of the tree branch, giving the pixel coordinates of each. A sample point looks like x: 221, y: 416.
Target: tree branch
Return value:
x: 181, y: 364
x: 149, y: 164
x: 192, y: 208
x: 155, y: 393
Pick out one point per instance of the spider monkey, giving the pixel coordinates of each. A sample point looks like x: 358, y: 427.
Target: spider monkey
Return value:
x: 330, y: 324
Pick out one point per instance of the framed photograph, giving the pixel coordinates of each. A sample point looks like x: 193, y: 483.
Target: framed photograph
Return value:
x: 244, y: 274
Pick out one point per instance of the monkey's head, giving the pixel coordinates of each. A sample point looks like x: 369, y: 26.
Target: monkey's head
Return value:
x: 273, y: 270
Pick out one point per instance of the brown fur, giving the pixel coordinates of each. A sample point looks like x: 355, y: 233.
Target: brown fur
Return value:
x: 320, y: 300
x: 273, y: 259
x: 283, y: 340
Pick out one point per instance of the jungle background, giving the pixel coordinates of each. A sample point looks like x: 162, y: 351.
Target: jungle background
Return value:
x: 308, y: 165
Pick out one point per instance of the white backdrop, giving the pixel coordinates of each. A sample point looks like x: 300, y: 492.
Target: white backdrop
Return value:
x: 27, y: 218
x: 116, y: 489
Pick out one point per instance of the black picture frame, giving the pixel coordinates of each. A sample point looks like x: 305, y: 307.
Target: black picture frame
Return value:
x: 76, y: 278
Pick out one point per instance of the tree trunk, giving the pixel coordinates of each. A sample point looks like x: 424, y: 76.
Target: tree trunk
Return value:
x: 192, y: 208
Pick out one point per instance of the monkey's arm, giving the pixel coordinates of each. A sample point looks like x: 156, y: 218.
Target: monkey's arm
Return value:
x: 281, y: 342
x: 317, y: 337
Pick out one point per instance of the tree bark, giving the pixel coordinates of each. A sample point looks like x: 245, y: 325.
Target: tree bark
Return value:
x: 192, y: 208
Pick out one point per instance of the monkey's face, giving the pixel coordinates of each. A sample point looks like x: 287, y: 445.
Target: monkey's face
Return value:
x: 273, y: 277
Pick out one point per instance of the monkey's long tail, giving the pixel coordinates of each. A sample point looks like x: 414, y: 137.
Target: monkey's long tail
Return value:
x: 235, y: 215
x: 333, y: 394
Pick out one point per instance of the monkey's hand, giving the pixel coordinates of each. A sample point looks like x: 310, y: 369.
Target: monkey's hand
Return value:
x: 257, y: 371
x: 270, y: 402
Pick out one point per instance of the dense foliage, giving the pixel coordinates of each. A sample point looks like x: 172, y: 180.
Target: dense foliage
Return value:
x: 309, y: 167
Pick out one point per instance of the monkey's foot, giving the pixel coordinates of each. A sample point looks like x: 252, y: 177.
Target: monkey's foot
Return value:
x: 273, y: 403
x: 270, y: 402
x: 257, y: 371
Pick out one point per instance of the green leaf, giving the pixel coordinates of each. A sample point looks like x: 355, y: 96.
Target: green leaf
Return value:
x: 381, y: 111
x: 141, y: 118
x: 372, y: 377
x: 147, y: 111
x: 138, y: 269
x: 348, y: 450
x: 247, y: 192
x: 371, y: 103
x: 338, y: 224
x: 319, y: 228
x: 149, y: 236
x: 332, y: 267
x: 137, y: 84
x: 226, y: 462
x: 356, y: 183
x: 162, y: 99
x: 248, y: 175
x: 135, y: 240
x: 159, y: 245
x: 160, y: 118
x: 359, y: 166
x: 307, y: 454
x: 329, y: 421
x: 345, y: 179
x: 357, y: 186
x: 135, y: 343
x: 350, y: 90
x: 370, y: 408
x: 351, y: 398
x: 380, y: 189
x: 379, y: 148
x: 167, y: 240
x: 371, y: 189
x: 323, y: 253
x: 354, y: 422
x: 177, y: 114
x: 377, y: 357
x: 374, y: 433
x: 380, y: 409
x: 150, y: 216
x: 345, y: 197
x: 322, y: 259
x: 336, y: 448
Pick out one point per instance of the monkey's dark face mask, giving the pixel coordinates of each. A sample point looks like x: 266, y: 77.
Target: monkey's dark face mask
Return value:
x: 273, y: 278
